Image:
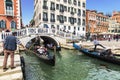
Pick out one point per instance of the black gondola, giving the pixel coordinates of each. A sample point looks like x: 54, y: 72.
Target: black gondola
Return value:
x: 98, y: 55
x: 49, y: 59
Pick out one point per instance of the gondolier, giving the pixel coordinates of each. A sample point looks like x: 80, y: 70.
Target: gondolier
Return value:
x: 96, y: 43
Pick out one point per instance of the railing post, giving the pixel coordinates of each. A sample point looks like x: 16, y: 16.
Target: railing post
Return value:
x: 27, y: 32
x: 36, y: 30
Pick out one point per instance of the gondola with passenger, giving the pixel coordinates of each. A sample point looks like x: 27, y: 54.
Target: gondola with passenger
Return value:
x: 41, y: 52
x: 45, y: 55
x: 105, y: 55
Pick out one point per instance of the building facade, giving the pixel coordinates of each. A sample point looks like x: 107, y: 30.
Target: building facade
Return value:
x: 96, y: 22
x: 66, y: 15
x: 114, y: 23
x: 10, y: 14
x: 114, y: 27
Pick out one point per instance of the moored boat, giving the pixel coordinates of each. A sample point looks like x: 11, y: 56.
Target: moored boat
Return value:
x: 102, y: 55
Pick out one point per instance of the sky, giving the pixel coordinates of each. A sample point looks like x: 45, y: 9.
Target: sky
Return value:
x: 105, y: 6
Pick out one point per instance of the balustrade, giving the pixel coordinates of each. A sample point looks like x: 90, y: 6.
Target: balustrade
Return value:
x: 41, y: 31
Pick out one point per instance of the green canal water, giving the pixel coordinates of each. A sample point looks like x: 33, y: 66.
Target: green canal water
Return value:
x: 70, y: 65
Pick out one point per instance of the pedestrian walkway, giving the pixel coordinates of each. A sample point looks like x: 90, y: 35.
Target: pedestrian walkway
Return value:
x: 11, y: 74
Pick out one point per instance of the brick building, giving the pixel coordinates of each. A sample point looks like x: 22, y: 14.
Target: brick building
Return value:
x: 10, y: 14
x: 96, y: 22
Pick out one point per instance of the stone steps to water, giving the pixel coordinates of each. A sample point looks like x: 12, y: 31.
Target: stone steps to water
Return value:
x: 11, y: 74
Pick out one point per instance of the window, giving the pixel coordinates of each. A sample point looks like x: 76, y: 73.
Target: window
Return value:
x: 65, y: 19
x: 83, y: 22
x: 13, y: 25
x: 9, y: 7
x: 45, y: 3
x: 83, y: 4
x: 79, y: 21
x: 83, y: 13
x: 57, y: 6
x: 52, y: 6
x: 75, y: 2
x: 52, y: 17
x: 2, y: 24
x: 78, y: 3
x: 78, y: 28
x: 58, y: 27
x: 61, y: 8
x: 79, y: 12
x: 69, y: 1
x: 45, y: 16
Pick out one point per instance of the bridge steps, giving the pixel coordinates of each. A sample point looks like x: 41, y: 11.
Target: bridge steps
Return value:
x: 11, y: 74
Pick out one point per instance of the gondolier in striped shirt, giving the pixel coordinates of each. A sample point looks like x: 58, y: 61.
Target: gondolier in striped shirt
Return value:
x: 96, y: 43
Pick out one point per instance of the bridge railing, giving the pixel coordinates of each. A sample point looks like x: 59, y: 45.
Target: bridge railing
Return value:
x: 44, y: 31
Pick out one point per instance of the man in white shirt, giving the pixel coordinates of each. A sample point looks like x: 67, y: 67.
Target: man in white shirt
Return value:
x: 96, y: 43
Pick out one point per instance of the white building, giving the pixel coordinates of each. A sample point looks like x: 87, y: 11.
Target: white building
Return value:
x: 68, y: 15
x: 114, y: 27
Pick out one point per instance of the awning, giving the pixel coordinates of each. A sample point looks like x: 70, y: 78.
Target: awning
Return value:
x: 46, y: 26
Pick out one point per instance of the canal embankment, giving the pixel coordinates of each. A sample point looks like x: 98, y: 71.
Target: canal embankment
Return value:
x: 113, y: 45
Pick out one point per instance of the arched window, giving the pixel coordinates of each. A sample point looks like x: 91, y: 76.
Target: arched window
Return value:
x: 9, y: 5
x: 13, y: 25
x: 2, y: 24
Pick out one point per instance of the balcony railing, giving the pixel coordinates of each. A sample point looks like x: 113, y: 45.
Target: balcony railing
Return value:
x: 9, y: 12
x: 45, y: 7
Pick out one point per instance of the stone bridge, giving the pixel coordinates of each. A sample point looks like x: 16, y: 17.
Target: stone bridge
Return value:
x: 48, y: 35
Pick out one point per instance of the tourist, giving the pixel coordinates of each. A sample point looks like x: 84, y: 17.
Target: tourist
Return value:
x: 10, y: 45
x: 96, y: 43
x: 42, y: 50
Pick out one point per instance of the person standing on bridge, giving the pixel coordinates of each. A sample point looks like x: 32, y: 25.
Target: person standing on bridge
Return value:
x: 10, y: 45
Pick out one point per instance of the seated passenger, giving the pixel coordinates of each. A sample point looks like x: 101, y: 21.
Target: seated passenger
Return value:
x: 107, y: 53
x: 42, y: 50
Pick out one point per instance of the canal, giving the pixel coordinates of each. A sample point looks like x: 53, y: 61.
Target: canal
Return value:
x: 70, y: 65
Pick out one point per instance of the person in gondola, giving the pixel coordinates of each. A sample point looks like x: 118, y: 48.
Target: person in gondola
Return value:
x: 42, y: 50
x: 107, y: 53
x: 96, y: 43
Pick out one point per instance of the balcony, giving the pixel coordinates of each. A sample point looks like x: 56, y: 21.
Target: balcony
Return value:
x: 9, y: 13
x: 45, y: 19
x: 45, y: 7
x: 52, y: 20
x: 72, y: 13
x: 61, y: 21
x: 52, y: 8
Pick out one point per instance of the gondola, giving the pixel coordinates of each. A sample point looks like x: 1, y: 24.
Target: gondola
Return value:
x: 98, y: 54
x: 49, y: 59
